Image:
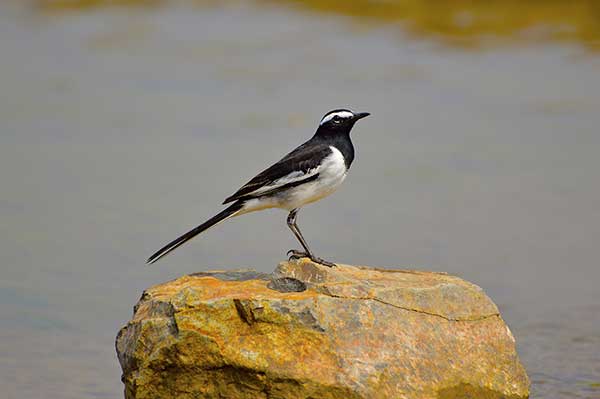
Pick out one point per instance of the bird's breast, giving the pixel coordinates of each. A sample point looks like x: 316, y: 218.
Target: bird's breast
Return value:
x: 332, y: 172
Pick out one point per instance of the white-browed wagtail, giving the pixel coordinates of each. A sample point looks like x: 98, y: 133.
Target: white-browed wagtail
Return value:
x: 312, y: 171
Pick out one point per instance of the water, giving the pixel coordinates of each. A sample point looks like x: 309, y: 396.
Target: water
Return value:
x: 122, y: 127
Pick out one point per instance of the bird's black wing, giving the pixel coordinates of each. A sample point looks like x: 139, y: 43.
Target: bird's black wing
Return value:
x: 297, y: 167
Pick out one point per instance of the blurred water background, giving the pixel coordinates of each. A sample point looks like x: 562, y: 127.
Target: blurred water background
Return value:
x: 125, y: 123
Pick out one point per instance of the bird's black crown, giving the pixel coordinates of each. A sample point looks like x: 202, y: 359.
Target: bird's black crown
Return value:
x: 340, y: 120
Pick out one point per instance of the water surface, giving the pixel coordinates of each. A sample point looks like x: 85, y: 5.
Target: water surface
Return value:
x: 122, y: 127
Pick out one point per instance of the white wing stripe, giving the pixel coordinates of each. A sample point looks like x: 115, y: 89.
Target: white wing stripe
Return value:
x: 289, y: 178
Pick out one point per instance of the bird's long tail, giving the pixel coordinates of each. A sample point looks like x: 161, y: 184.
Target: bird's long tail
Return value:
x: 225, y: 214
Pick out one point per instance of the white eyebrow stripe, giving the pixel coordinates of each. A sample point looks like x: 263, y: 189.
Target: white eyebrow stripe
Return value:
x: 341, y: 114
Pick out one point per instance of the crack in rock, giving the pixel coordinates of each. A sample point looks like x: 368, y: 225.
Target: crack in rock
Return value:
x: 479, y: 318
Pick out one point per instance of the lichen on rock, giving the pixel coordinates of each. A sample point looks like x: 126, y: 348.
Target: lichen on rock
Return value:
x: 309, y: 332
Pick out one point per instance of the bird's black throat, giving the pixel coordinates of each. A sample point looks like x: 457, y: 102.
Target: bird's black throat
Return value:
x: 339, y: 138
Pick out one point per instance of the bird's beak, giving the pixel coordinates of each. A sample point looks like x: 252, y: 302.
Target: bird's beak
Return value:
x: 361, y: 115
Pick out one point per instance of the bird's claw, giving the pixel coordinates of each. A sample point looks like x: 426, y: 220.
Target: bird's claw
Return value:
x: 295, y: 254
x: 322, y: 261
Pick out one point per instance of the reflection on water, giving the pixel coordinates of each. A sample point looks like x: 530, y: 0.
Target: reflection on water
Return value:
x: 115, y: 119
x: 469, y: 23
x: 464, y: 23
x: 65, y: 5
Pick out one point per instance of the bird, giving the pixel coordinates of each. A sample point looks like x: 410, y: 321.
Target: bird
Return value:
x: 309, y: 173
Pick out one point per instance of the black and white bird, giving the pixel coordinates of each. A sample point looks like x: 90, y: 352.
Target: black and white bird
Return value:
x: 309, y: 173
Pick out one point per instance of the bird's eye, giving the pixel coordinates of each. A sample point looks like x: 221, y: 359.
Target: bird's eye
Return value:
x: 337, y: 119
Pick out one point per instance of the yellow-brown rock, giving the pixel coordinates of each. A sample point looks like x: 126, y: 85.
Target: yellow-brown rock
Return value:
x: 346, y: 332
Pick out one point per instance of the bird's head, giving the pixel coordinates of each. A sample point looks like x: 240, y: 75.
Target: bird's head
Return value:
x: 340, y: 120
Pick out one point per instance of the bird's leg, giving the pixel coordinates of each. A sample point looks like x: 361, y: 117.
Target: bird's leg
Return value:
x: 294, y: 253
x: 291, y: 222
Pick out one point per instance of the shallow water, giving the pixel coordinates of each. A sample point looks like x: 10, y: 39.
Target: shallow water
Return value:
x: 122, y: 127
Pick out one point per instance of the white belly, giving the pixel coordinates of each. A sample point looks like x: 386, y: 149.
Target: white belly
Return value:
x: 332, y: 173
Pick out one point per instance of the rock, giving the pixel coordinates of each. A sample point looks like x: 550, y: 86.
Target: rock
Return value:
x: 322, y: 333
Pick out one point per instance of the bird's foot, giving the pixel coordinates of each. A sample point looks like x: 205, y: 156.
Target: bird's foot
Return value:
x: 295, y: 254
x: 322, y: 261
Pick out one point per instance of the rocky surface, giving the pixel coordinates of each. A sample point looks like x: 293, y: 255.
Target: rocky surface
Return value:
x: 311, y: 332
